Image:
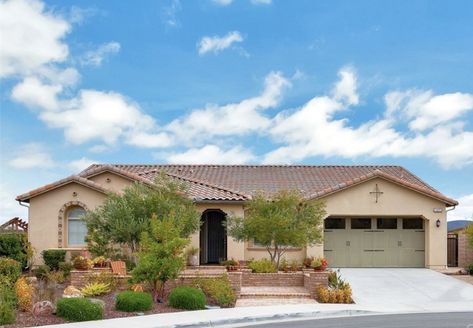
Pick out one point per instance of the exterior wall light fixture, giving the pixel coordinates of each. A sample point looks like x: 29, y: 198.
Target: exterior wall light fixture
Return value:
x: 437, y: 223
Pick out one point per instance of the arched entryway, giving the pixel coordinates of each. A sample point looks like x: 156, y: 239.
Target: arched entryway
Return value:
x: 213, y: 237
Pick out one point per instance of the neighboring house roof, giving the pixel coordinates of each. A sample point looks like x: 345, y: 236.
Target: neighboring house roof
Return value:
x: 14, y: 225
x: 240, y: 182
x: 458, y: 225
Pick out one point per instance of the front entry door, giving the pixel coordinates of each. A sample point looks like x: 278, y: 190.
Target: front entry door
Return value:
x: 213, y: 238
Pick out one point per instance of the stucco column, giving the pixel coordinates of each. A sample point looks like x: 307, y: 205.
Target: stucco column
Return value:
x: 235, y: 249
x: 436, y: 241
x: 315, y: 250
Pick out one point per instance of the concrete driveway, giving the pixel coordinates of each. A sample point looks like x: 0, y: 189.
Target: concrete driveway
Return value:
x: 408, y: 290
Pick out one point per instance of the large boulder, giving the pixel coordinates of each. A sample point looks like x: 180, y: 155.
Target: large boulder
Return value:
x: 43, y: 308
x: 71, y: 291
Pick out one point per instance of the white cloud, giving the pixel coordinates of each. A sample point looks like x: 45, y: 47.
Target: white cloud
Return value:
x: 345, y: 89
x: 234, y: 119
x: 424, y: 110
x: 31, y: 37
x: 150, y: 140
x: 9, y: 207
x: 80, y: 164
x: 96, y: 57
x: 211, y: 154
x: 216, y: 44
x: 313, y: 129
x: 170, y: 13
x: 31, y: 156
x: 464, y: 210
x: 223, y: 2
x: 33, y: 93
x: 97, y: 115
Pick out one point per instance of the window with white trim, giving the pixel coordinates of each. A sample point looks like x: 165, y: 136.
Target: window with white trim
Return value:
x: 76, y: 227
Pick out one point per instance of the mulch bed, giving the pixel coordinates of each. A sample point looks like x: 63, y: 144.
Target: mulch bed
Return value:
x: 27, y: 319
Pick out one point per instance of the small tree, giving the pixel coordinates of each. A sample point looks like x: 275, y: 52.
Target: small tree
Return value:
x: 161, y: 256
x: 284, y: 221
x: 123, y: 218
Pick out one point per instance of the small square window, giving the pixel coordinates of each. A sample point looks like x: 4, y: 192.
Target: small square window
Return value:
x: 361, y: 223
x: 333, y: 223
x: 412, y: 224
x: 386, y: 223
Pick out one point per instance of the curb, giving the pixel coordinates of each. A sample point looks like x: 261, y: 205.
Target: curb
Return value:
x: 277, y: 317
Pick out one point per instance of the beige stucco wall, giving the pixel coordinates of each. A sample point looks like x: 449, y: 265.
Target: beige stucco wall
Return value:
x: 355, y: 201
x: 114, y: 183
x: 44, y: 210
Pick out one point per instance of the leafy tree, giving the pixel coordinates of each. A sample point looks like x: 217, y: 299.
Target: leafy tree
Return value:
x: 469, y: 233
x: 161, y: 254
x: 284, y: 221
x: 123, y: 217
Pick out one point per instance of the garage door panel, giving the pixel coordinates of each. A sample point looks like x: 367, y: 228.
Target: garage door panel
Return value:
x: 375, y: 247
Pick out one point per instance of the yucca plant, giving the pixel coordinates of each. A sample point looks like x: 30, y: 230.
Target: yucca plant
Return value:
x: 95, y: 289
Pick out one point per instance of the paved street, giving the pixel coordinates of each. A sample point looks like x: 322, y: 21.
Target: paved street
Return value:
x: 427, y: 320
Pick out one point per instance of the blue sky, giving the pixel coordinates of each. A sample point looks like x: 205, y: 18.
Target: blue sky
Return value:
x: 243, y: 81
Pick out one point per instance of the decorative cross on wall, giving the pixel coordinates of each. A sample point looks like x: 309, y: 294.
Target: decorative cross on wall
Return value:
x: 376, y: 192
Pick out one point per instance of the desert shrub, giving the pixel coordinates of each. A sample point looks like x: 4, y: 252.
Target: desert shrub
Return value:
x: 24, y: 295
x: 7, y: 313
x: 130, y: 301
x: 95, y: 289
x: 340, y: 295
x: 79, y: 309
x: 52, y: 257
x: 307, y: 261
x: 10, y: 268
x: 335, y: 281
x: 136, y: 288
x: 187, y: 298
x: 56, y: 277
x: 103, y: 278
x: 15, y: 246
x: 218, y: 290
x: 100, y: 262
x: 82, y: 263
x: 65, y: 268
x: 42, y: 272
x: 469, y: 269
x: 263, y: 266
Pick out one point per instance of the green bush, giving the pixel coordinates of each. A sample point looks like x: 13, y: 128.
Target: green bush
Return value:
x: 187, y: 298
x: 7, y: 301
x: 130, y: 301
x: 41, y: 272
x: 52, y: 258
x: 10, y: 268
x: 7, y: 313
x: 66, y: 268
x: 79, y: 309
x: 219, y: 290
x: 263, y: 266
x: 15, y: 246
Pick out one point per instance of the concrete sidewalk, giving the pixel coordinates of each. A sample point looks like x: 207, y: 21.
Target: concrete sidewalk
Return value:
x: 234, y: 317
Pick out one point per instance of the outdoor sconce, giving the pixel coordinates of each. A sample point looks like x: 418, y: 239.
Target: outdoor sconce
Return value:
x: 437, y: 223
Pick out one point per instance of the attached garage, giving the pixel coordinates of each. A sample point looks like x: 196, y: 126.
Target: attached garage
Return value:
x: 374, y: 242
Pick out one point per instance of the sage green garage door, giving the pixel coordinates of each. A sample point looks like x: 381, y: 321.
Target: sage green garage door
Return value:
x: 374, y: 242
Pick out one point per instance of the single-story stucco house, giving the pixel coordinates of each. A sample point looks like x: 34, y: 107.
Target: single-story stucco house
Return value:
x: 377, y: 216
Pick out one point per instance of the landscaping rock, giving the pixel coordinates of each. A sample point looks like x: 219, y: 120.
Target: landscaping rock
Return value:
x: 43, y: 308
x: 71, y: 291
x: 97, y: 301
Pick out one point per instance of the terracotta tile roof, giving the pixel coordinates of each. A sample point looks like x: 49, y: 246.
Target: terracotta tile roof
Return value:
x: 59, y: 183
x: 239, y: 182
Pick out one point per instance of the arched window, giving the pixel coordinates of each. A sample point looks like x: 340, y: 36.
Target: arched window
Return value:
x: 76, y: 228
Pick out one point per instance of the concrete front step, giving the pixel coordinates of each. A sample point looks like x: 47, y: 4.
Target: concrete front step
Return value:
x: 274, y: 292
